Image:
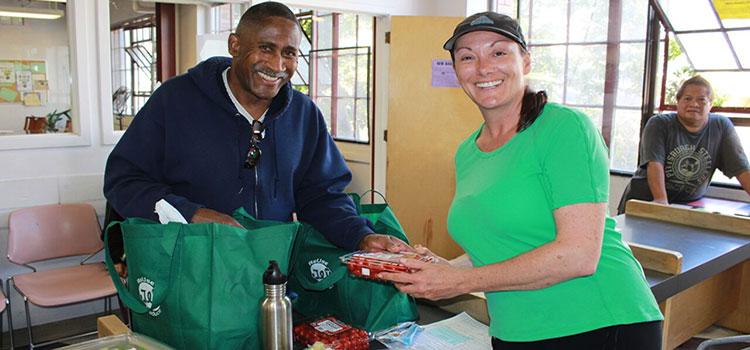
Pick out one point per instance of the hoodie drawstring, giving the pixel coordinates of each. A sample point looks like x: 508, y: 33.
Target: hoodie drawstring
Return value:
x: 275, y: 160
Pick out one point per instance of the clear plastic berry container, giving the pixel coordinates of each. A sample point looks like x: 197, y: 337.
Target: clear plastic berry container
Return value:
x: 369, y: 265
x: 332, y: 332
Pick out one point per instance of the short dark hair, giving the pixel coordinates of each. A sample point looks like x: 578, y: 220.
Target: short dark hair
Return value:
x: 696, y: 80
x: 260, y: 12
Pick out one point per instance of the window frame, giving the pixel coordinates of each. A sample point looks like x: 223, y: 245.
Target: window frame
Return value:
x: 83, y: 90
x: 667, y: 28
x: 609, y: 105
x: 144, y: 24
x: 335, y: 19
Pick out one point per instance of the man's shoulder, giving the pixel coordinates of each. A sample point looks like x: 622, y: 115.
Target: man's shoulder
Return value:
x: 663, y: 121
x: 719, y: 120
x: 664, y: 117
x: 302, y: 105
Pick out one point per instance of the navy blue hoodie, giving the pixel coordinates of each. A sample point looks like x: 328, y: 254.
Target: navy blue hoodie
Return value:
x: 188, y: 145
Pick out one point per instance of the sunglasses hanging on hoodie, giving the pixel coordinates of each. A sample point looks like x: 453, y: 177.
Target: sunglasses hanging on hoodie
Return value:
x: 253, y: 153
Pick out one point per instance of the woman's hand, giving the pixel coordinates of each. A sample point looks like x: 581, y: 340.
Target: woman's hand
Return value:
x: 422, y: 250
x: 433, y: 281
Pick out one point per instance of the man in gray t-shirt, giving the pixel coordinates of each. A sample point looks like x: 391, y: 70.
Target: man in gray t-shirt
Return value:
x: 680, y: 151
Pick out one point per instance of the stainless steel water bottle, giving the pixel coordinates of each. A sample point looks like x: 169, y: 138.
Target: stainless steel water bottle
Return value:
x: 276, y: 311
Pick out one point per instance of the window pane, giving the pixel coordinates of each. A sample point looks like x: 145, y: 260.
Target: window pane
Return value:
x: 678, y: 70
x: 324, y: 103
x: 237, y: 11
x: 523, y: 18
x: 362, y: 72
x: 322, y: 61
x: 303, y: 70
x: 345, y: 119
x: 325, y: 26
x: 634, y: 20
x: 707, y: 50
x: 630, y: 79
x: 347, y: 30
x: 547, y: 70
x: 346, y: 73
x: 730, y: 89
x: 506, y: 6
x: 548, y: 20
x: 586, y: 74
x: 690, y: 14
x: 365, y: 33
x: 588, y: 20
x: 625, y: 137
x: 741, y: 42
x: 736, y: 22
x: 362, y: 121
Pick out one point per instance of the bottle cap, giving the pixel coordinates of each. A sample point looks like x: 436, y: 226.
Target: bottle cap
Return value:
x: 273, y: 274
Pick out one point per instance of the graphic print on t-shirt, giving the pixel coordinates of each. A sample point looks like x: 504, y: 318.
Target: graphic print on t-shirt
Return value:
x: 687, y: 168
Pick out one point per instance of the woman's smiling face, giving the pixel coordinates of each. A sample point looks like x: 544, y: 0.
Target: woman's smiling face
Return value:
x: 491, y: 69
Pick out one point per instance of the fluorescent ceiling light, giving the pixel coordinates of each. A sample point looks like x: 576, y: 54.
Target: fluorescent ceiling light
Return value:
x: 30, y: 12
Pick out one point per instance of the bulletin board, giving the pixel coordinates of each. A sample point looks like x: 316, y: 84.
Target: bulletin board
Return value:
x: 23, y: 82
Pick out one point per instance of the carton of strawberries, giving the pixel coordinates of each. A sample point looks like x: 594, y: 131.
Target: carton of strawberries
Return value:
x: 333, y: 333
x: 369, y: 264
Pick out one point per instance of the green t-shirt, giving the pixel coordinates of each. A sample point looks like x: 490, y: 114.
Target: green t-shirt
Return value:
x: 503, y: 207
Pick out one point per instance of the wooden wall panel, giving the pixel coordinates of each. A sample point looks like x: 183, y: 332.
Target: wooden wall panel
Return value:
x: 425, y: 126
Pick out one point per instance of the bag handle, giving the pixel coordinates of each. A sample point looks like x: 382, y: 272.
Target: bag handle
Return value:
x: 130, y: 300
x: 375, y: 192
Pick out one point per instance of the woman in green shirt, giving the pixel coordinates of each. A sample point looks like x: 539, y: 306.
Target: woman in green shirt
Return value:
x: 532, y: 185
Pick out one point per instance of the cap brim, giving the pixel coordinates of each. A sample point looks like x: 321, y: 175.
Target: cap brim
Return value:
x: 452, y: 41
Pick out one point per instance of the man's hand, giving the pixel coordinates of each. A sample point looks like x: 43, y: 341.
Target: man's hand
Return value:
x: 208, y: 215
x: 122, y: 270
x: 376, y: 242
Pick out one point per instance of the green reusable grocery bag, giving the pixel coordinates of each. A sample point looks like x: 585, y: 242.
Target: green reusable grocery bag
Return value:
x: 325, y: 287
x: 199, y: 286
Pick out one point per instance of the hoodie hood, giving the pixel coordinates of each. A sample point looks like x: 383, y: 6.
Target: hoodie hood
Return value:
x: 207, y: 77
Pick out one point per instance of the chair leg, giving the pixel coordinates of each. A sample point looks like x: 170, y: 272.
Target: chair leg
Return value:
x: 124, y: 312
x: 10, y: 314
x: 28, y: 322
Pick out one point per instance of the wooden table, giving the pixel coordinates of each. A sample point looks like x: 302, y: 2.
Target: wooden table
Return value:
x: 711, y: 283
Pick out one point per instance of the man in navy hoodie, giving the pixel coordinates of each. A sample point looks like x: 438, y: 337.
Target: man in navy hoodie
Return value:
x: 233, y: 133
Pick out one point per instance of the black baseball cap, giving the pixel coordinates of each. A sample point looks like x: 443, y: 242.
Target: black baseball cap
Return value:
x: 488, y: 21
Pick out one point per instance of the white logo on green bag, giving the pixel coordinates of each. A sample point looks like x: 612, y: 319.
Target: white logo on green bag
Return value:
x: 146, y: 291
x: 319, y: 269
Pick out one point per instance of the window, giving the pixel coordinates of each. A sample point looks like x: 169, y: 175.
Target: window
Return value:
x: 224, y: 18
x: 699, y: 38
x: 334, y: 66
x: 589, y: 55
x: 35, y: 89
x: 133, y: 46
x: 340, y: 73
